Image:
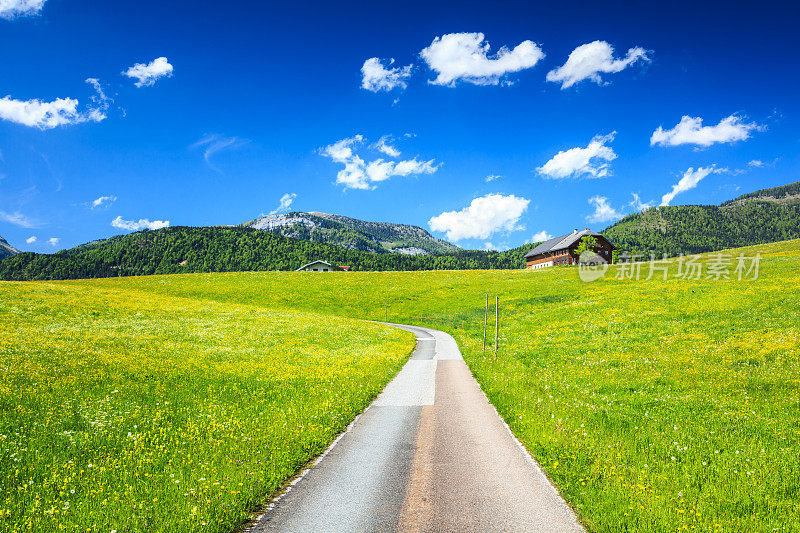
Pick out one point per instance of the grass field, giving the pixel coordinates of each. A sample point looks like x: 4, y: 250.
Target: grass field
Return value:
x: 654, y: 405
x: 127, y: 411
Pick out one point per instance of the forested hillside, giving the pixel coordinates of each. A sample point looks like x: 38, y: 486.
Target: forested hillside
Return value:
x: 225, y: 249
x: 764, y: 216
x: 352, y: 233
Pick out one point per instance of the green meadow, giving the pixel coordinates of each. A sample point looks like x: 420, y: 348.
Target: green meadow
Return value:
x: 131, y: 411
x: 653, y: 405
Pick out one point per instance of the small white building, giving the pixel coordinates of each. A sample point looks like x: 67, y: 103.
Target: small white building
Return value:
x: 320, y: 266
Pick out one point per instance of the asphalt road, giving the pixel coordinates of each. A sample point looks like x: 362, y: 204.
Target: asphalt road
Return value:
x: 429, y: 454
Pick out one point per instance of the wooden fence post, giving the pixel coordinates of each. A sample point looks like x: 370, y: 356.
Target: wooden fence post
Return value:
x: 485, y: 319
x: 496, y: 322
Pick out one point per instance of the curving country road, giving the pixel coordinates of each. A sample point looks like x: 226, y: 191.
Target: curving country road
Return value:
x: 429, y: 454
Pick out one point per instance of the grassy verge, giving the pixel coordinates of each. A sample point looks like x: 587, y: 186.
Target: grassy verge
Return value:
x: 138, y: 411
x: 654, y: 405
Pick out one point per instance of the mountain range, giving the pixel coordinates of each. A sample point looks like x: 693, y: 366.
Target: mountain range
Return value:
x: 286, y: 241
x: 763, y: 216
x: 353, y: 234
x: 6, y: 249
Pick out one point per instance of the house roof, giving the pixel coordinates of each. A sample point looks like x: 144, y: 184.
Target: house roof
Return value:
x: 560, y: 243
x: 318, y: 261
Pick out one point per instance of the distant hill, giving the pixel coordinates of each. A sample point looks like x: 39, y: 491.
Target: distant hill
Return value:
x: 768, y: 215
x: 226, y: 249
x: 6, y: 249
x: 353, y: 234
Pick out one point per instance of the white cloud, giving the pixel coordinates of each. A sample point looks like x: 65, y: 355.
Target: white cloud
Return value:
x: 104, y: 201
x: 758, y: 163
x: 52, y: 241
x: 541, y: 236
x: 589, y: 60
x: 377, y: 77
x: 689, y: 181
x: 690, y: 130
x: 464, y: 56
x: 358, y: 174
x: 603, y: 212
x: 285, y: 203
x: 575, y: 162
x: 143, y: 223
x: 384, y: 147
x: 214, y: 144
x: 491, y: 177
x: 637, y: 205
x: 16, y: 218
x: 60, y: 112
x: 482, y: 218
x: 10, y: 9
x: 148, y: 73
x: 31, y: 239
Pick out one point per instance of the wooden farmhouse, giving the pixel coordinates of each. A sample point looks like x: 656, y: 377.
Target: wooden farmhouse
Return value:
x: 321, y: 266
x: 561, y: 250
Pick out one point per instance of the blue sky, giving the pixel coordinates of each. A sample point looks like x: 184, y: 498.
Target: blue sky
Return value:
x: 255, y: 102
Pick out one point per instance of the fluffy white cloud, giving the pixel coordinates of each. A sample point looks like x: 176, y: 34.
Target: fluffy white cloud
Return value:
x: 384, y: 147
x: 690, y: 130
x: 60, y: 112
x: 52, y: 241
x: 575, y: 162
x: 285, y: 203
x: 104, y: 201
x: 10, y: 9
x: 377, y: 77
x: 16, y: 218
x: 589, y: 60
x: 603, y: 212
x: 541, y: 236
x: 757, y: 163
x: 465, y: 56
x: 31, y: 239
x: 689, y: 181
x: 148, y: 73
x: 482, y: 218
x: 358, y: 174
x: 143, y: 223
x: 491, y: 177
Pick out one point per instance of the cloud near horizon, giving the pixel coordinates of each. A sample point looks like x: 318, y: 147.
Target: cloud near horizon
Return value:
x: 359, y: 174
x: 541, y: 236
x: 285, y: 203
x: 576, y: 162
x: 603, y: 212
x: 143, y: 223
x: 589, y: 60
x: 146, y: 74
x: 689, y: 181
x: 482, y: 218
x: 690, y: 130
x: 465, y: 57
